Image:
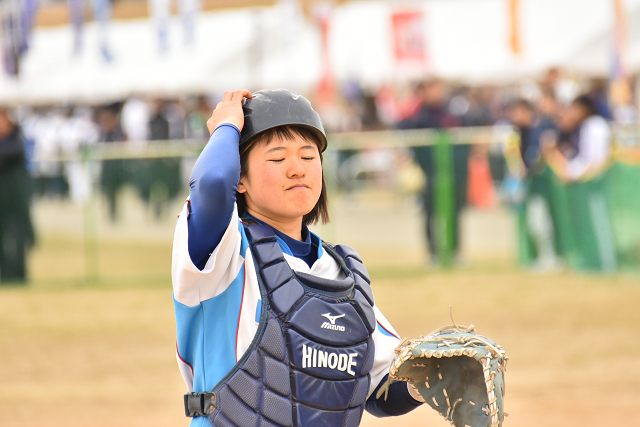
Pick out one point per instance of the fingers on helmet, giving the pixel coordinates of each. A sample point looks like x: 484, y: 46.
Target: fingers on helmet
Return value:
x: 240, y: 94
x: 228, y: 96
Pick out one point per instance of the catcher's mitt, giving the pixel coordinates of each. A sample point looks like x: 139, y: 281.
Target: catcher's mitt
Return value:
x: 458, y: 373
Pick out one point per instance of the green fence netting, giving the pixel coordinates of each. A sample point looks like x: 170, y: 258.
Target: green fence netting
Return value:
x: 596, y: 222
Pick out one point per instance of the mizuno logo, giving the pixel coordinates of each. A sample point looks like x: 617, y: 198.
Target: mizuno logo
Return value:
x: 331, y: 318
x: 332, y: 325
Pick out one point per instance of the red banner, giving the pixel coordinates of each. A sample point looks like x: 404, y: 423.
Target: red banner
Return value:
x: 408, y: 36
x: 326, y: 85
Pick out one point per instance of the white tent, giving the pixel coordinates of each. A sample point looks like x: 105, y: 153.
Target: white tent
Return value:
x: 277, y: 46
x: 237, y: 48
x: 594, y: 56
x: 468, y: 39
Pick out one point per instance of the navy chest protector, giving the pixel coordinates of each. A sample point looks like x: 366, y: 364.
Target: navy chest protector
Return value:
x: 309, y: 362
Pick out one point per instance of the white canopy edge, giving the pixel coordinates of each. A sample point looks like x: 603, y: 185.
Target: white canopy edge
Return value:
x: 466, y: 40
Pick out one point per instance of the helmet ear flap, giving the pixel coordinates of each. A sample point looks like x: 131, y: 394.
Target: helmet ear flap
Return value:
x: 272, y: 108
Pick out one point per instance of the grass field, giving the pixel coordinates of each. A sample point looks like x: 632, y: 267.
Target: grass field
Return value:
x: 78, y: 353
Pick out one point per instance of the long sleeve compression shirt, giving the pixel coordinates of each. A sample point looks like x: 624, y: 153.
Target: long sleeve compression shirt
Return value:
x: 213, y: 184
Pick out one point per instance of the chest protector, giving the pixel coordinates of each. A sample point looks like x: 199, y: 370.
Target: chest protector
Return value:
x: 309, y: 362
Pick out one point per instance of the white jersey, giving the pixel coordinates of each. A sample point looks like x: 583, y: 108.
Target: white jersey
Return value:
x: 594, y: 148
x: 218, y: 308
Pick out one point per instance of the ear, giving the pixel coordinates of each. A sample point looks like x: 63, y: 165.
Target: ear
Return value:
x: 241, y: 187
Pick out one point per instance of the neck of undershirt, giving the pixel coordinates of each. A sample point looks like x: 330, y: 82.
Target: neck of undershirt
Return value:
x: 304, y: 249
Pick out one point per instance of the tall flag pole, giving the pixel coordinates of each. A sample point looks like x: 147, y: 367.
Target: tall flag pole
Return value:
x: 6, y: 47
x: 619, y: 85
x: 189, y: 10
x: 160, y: 11
x: 16, y: 25
x: 514, y: 27
x: 11, y: 37
x: 27, y: 21
x: 76, y: 14
x: 102, y: 13
x: 326, y: 85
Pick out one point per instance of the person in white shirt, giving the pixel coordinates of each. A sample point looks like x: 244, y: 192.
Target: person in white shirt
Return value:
x: 592, y: 140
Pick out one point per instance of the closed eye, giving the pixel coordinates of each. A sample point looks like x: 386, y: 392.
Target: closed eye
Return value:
x: 276, y: 160
x: 308, y: 158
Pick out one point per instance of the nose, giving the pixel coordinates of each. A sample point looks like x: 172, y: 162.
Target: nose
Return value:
x: 296, y: 169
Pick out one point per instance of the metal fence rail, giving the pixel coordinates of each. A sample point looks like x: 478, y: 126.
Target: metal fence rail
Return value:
x: 624, y: 137
x: 418, y: 137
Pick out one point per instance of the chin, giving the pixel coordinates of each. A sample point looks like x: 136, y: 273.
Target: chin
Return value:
x: 296, y: 213
x: 305, y: 206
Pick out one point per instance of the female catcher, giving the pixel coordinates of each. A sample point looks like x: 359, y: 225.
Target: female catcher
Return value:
x: 274, y: 326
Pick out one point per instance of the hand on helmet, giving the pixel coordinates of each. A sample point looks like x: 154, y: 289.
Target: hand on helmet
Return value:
x: 229, y: 110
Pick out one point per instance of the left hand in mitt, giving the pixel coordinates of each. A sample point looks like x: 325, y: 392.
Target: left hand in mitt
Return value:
x: 458, y: 373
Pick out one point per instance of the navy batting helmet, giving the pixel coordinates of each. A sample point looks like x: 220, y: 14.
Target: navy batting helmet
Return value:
x: 272, y: 108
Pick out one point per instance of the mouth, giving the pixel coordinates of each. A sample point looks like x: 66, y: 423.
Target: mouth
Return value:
x: 298, y: 186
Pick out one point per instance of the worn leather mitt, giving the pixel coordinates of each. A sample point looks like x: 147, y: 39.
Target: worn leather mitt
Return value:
x: 458, y: 373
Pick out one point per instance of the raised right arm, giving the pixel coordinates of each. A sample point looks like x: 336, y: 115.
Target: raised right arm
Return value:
x: 213, y: 185
x: 215, y: 177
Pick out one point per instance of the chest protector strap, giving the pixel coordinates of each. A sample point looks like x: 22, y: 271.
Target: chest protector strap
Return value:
x: 309, y: 362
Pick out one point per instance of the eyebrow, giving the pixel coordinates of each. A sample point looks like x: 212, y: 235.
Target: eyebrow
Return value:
x: 281, y: 147
x: 271, y: 150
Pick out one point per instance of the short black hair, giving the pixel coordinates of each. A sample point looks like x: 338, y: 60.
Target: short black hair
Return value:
x: 585, y: 102
x: 321, y: 210
x: 521, y: 102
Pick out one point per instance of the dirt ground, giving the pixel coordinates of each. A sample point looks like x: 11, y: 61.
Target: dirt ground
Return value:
x: 78, y: 353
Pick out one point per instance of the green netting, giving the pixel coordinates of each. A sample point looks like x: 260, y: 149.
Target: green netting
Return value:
x: 525, y: 247
x: 596, y: 223
x: 622, y: 189
x: 445, y: 201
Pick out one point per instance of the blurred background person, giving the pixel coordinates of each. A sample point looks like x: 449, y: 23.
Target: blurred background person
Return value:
x: 586, y: 148
x: 583, y: 165
x: 135, y: 119
x: 197, y: 110
x: 563, y: 87
x: 158, y: 179
x: 527, y: 167
x: 16, y: 230
x: 158, y: 123
x: 114, y: 173
x: 432, y: 113
x: 548, y: 109
x: 599, y: 97
x: 77, y: 133
x: 47, y: 133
